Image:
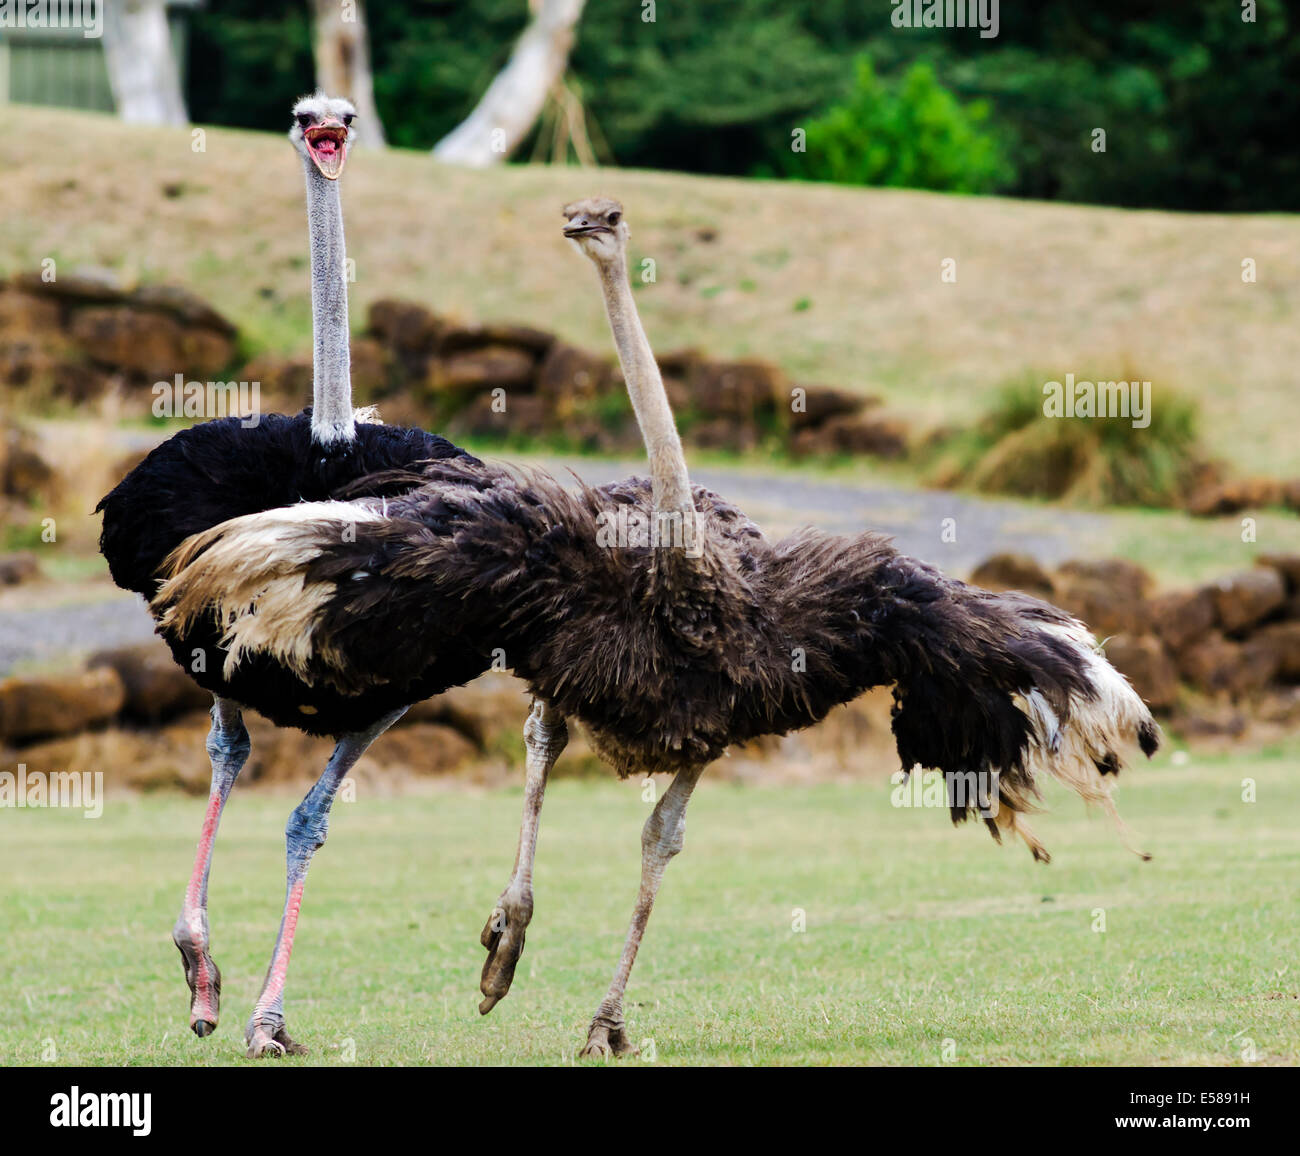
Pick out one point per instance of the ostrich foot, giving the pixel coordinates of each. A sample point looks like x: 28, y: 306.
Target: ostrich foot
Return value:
x: 204, y: 979
x: 269, y: 1038
x: 606, y: 1041
x: 503, y: 936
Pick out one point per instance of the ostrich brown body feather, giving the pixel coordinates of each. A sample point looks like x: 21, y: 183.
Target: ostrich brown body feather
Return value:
x: 666, y: 660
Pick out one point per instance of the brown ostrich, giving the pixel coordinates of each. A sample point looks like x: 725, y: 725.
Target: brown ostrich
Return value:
x: 658, y: 616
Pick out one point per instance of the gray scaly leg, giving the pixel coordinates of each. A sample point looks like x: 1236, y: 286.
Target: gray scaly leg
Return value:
x: 306, y: 830
x: 661, y: 839
x: 545, y: 736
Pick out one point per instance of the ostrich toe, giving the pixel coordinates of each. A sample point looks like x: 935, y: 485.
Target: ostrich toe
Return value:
x: 203, y: 977
x: 607, y: 1042
x: 503, y: 936
x: 269, y: 1040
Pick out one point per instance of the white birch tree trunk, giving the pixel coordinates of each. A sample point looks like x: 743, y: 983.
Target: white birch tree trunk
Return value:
x: 510, y: 107
x: 341, y: 46
x: 142, y: 69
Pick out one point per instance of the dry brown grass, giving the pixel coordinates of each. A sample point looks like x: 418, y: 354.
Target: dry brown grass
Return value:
x: 1040, y: 285
x: 88, y: 457
x: 1016, y: 449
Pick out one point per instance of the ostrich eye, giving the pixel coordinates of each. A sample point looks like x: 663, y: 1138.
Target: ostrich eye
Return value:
x: 349, y: 117
x: 614, y: 218
x: 304, y: 120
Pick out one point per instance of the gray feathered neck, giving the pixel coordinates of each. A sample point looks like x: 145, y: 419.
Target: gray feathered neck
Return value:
x: 331, y: 419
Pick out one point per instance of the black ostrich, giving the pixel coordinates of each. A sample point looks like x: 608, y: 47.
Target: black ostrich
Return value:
x: 660, y: 617
x: 220, y: 470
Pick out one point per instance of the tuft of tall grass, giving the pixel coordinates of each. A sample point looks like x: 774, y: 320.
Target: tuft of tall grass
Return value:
x: 1017, y: 448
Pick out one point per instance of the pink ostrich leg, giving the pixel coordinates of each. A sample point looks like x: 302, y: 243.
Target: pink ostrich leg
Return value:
x: 266, y: 1034
x: 228, y: 749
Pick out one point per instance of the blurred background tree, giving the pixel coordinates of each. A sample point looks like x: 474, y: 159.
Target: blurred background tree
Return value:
x: 513, y: 103
x: 342, y: 52
x: 1198, y: 105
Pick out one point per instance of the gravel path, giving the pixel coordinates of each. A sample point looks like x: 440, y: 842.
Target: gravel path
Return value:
x: 64, y: 633
x: 916, y: 518
x: 58, y: 635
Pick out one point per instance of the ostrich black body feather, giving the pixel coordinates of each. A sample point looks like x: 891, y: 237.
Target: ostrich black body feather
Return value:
x: 218, y: 470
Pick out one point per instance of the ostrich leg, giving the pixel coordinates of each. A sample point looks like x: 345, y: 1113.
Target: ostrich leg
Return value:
x: 545, y: 736
x: 228, y: 751
x: 266, y: 1034
x: 661, y: 839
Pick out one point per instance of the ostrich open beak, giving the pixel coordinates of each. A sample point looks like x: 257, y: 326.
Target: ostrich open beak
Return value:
x: 584, y: 229
x: 327, y: 147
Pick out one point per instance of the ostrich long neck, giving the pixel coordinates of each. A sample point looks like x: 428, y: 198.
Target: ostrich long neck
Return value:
x: 645, y: 387
x: 331, y: 415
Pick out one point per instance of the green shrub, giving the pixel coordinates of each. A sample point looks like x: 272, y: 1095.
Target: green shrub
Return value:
x: 911, y: 134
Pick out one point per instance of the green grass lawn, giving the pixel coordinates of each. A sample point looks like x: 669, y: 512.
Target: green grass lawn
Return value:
x: 916, y: 934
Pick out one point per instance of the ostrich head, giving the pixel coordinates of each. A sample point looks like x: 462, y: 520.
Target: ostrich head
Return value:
x: 597, y: 228
x: 322, y: 132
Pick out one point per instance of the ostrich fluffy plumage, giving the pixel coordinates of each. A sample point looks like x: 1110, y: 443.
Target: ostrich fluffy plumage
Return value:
x: 218, y: 470
x: 666, y: 660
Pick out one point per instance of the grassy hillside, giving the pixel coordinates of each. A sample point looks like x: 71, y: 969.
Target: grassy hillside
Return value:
x: 838, y: 285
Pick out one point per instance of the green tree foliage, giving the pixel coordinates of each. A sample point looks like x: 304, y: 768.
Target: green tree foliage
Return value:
x: 1199, y: 106
x: 912, y: 134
